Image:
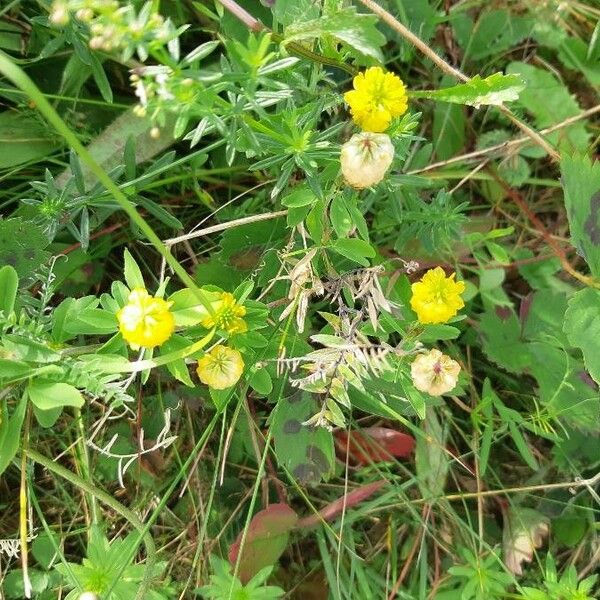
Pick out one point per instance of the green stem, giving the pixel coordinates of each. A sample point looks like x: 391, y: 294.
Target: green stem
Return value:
x: 23, y: 82
x: 115, y: 505
x: 191, y: 458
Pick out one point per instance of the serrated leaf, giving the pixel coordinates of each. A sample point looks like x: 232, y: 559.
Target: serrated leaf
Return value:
x: 550, y: 102
x: 581, y: 183
x: 582, y: 326
x: 356, y: 30
x: 493, y: 90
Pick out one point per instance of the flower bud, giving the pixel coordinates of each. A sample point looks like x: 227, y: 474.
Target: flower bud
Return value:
x: 59, y: 15
x: 434, y: 373
x: 365, y: 158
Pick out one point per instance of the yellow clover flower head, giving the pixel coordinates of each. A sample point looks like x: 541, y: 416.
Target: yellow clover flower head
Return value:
x: 145, y: 321
x: 220, y: 368
x: 436, y: 298
x: 228, y: 315
x: 434, y: 373
x: 376, y: 99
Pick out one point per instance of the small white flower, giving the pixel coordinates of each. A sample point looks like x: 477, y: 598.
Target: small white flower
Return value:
x: 365, y: 158
x: 88, y: 596
x: 434, y: 373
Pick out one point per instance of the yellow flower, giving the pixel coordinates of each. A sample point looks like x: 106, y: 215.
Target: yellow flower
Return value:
x: 145, y: 320
x: 434, y: 373
x: 377, y: 97
x: 220, y: 368
x: 227, y: 315
x: 436, y: 298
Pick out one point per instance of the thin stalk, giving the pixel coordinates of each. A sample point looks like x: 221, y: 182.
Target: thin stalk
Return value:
x: 23, y: 508
x: 19, y: 78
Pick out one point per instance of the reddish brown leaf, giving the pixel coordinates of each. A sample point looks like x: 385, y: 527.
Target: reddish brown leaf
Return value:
x: 332, y: 510
x: 374, y: 444
x: 265, y: 541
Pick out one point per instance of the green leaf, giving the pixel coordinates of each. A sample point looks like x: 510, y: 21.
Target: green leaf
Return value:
x: 9, y: 283
x: 502, y: 340
x: 431, y: 460
x: 356, y: 30
x: 133, y: 275
x: 581, y: 183
x: 260, y: 381
x: 10, y: 431
x: 301, y: 196
x: 340, y: 216
x: 307, y: 452
x: 354, y: 249
x: 47, y: 395
x: 265, y: 541
x: 550, y: 102
x: 582, y: 326
x: 493, y: 90
x: 494, y: 32
x: 22, y: 245
x: 23, y: 139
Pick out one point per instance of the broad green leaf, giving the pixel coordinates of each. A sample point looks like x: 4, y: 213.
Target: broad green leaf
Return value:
x: 9, y: 282
x: 449, y: 128
x: 582, y: 326
x: 501, y: 340
x: 494, y: 32
x: 260, y: 381
x: 581, y: 183
x: 354, y: 249
x: 47, y: 395
x: 306, y: 452
x: 550, y: 102
x: 265, y: 540
x: 22, y: 245
x: 431, y: 459
x: 301, y: 196
x: 495, y: 90
x: 356, y: 30
x: 563, y: 387
x: 10, y: 431
x: 24, y: 139
x: 133, y: 275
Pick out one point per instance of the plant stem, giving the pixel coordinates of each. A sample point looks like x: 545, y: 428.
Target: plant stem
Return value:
x: 115, y: 505
x: 23, y: 508
x: 15, y: 74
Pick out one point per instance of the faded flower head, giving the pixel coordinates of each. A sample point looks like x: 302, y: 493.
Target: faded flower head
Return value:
x: 434, y: 373
x: 525, y: 530
x: 365, y: 158
x: 437, y: 298
x: 228, y: 315
x: 221, y: 367
x: 376, y: 99
x: 145, y: 321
